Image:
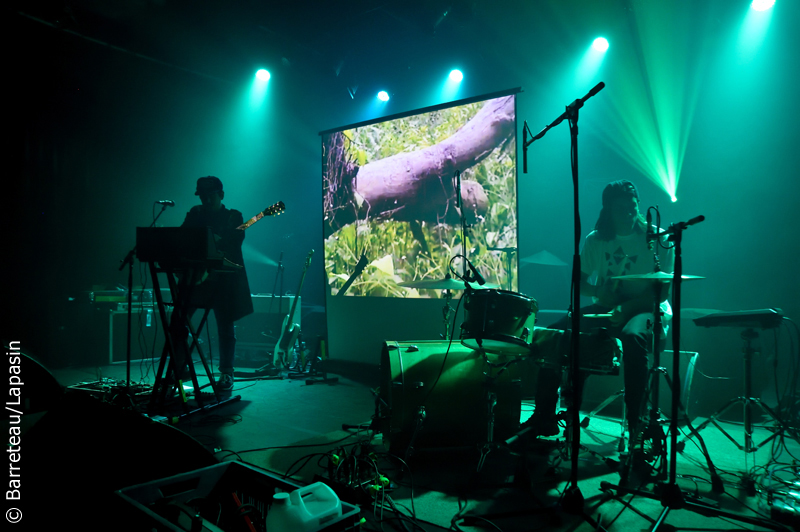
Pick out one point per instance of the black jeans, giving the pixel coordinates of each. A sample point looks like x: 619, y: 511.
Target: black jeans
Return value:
x: 636, y: 338
x: 206, y: 295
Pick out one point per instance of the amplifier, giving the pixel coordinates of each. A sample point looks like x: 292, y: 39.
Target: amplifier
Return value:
x: 598, y: 388
x: 263, y: 326
x: 147, y: 334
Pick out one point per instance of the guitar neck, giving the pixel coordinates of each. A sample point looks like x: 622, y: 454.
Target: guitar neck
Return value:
x: 296, y: 298
x: 299, y: 287
x: 251, y: 221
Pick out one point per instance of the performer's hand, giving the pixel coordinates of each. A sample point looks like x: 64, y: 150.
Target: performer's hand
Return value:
x: 606, y: 294
x: 617, y: 316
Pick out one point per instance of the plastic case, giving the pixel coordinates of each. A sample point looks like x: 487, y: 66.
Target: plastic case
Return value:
x: 164, y: 503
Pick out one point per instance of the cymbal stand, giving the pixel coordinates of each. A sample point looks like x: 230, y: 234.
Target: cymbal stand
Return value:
x: 447, y: 310
x: 670, y: 494
x: 491, y: 403
x: 653, y: 429
x: 508, y: 252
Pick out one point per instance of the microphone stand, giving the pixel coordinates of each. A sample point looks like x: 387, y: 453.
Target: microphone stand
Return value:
x: 573, y: 499
x: 128, y: 260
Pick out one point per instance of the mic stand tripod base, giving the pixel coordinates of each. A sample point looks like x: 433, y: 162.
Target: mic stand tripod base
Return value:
x: 268, y: 370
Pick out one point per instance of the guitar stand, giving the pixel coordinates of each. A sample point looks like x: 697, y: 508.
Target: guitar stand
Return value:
x: 315, y: 374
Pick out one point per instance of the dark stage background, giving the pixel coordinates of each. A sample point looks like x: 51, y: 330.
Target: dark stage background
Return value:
x: 97, y: 133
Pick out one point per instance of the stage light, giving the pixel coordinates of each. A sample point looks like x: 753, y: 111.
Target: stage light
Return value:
x: 674, y: 199
x: 456, y: 75
x: 762, y: 5
x: 600, y: 44
x: 383, y: 96
x: 263, y: 75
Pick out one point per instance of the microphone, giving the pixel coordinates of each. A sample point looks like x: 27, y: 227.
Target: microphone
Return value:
x: 649, y: 229
x: 168, y: 203
x: 476, y: 274
x: 525, y: 147
x: 695, y: 220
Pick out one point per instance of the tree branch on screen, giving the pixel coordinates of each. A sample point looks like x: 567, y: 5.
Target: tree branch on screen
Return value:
x: 418, y: 186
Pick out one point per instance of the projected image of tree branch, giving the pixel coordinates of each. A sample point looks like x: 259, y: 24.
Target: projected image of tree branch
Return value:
x: 390, y: 195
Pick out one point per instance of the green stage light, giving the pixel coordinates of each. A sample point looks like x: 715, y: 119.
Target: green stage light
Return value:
x: 654, y: 87
x: 383, y: 96
x: 258, y: 89
x: 762, y: 5
x: 451, y: 86
x: 753, y: 31
x: 600, y: 44
x: 589, y: 65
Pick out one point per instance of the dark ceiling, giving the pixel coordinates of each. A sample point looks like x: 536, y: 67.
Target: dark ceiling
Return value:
x: 343, y: 41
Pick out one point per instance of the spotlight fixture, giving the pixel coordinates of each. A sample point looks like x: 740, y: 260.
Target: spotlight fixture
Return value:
x: 456, y: 76
x: 762, y: 5
x: 263, y: 75
x: 383, y: 96
x: 600, y: 44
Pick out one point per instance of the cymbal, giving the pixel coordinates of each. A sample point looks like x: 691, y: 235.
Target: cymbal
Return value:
x: 655, y: 276
x: 445, y: 284
x: 544, y: 257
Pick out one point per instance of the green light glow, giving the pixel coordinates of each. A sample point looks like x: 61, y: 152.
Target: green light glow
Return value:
x: 600, y: 44
x: 451, y: 86
x: 588, y: 68
x: 762, y: 5
x: 258, y: 90
x: 752, y: 33
x: 654, y: 91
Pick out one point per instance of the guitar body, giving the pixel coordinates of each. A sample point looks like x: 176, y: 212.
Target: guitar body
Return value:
x: 289, y: 335
x: 290, y: 330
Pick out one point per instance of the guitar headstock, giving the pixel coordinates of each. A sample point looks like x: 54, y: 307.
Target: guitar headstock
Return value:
x: 275, y: 210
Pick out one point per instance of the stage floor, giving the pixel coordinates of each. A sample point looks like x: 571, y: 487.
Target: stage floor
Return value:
x: 289, y: 426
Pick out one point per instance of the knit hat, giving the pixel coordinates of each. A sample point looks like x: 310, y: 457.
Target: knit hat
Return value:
x: 208, y: 184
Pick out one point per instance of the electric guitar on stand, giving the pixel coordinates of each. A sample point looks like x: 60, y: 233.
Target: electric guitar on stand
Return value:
x: 290, y: 330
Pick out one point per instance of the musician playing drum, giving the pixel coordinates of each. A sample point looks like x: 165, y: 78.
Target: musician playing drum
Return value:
x: 617, y: 246
x: 227, y: 293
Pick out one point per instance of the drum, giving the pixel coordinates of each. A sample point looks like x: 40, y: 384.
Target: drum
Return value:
x: 600, y: 352
x: 498, y: 321
x: 455, y: 411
